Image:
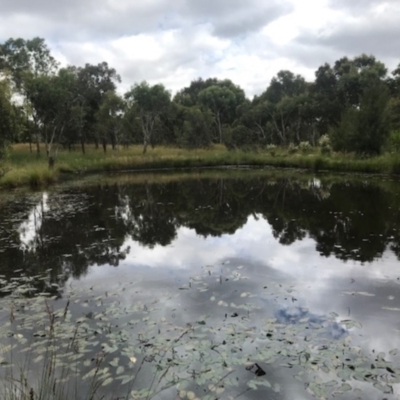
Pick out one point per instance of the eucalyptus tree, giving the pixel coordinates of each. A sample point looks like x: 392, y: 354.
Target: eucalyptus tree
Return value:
x: 324, y: 92
x: 222, y: 101
x: 253, y: 115
x: 363, y: 95
x: 280, y: 107
x: 93, y: 82
x: 76, y: 127
x: 196, y: 128
x: 189, y: 96
x: 7, y: 117
x: 109, y: 118
x: 220, y: 97
x: 393, y: 84
x: 26, y: 57
x: 26, y: 60
x: 355, y: 76
x: 284, y: 84
x: 366, y: 128
x: 241, y: 137
x: 149, y: 102
x: 53, y: 98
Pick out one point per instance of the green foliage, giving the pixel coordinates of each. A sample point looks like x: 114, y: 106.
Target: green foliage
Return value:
x: 240, y: 137
x: 292, y: 148
x: 25, y: 58
x: 109, y: 118
x: 222, y: 102
x: 305, y: 147
x: 285, y: 84
x: 393, y: 142
x: 22, y: 163
x: 221, y: 98
x: 8, y: 118
x: 324, y: 143
x: 352, y: 99
x: 340, y: 135
x: 394, y: 113
x: 271, y: 148
x: 196, y: 131
x: 150, y: 102
x: 364, y: 130
x: 93, y: 83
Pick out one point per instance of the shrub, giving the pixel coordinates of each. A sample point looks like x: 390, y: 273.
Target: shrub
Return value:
x: 393, y: 143
x: 3, y: 170
x: 240, y: 137
x: 271, y: 148
x: 364, y: 129
x: 305, y: 147
x: 324, y: 143
x: 318, y: 164
x: 196, y: 129
x: 292, y: 149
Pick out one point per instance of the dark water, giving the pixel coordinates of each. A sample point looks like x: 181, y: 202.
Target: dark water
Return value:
x: 302, y: 250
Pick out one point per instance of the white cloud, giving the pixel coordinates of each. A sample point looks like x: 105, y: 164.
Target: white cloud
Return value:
x: 245, y: 41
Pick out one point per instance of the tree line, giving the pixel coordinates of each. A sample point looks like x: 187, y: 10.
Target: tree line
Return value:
x: 351, y: 106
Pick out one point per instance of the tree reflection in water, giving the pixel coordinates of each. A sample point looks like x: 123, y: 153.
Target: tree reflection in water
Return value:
x: 69, y: 230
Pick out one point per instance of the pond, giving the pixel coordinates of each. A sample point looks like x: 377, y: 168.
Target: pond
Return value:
x: 227, y: 284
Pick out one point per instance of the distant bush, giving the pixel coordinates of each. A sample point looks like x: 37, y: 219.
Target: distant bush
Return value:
x: 305, y: 147
x: 240, y: 137
x: 3, y: 170
x: 271, y: 148
x: 324, y: 143
x: 292, y: 148
x: 364, y: 129
x: 196, y: 131
x: 393, y: 142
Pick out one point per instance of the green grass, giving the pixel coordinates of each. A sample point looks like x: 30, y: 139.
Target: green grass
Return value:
x: 26, y: 169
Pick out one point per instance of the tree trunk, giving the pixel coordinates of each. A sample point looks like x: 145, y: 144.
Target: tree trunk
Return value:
x: 280, y: 134
x: 147, y: 129
x: 52, y: 161
x: 37, y: 146
x: 104, y: 146
x: 219, y: 128
x: 298, y: 130
x: 284, y: 136
x: 83, y: 147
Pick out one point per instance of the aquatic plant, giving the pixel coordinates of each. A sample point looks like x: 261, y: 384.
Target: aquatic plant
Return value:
x: 97, y: 342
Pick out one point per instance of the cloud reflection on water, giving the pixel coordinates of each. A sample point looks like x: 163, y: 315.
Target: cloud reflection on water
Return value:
x: 319, y: 282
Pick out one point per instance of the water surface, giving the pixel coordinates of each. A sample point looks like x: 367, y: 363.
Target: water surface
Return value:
x: 296, y: 275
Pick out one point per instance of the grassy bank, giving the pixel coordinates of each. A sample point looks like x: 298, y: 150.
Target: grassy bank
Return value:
x: 26, y: 169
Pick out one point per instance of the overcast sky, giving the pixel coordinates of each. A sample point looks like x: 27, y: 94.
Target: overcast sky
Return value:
x: 176, y: 41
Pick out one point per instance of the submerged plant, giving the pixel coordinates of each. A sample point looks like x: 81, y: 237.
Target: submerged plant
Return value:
x: 99, y: 343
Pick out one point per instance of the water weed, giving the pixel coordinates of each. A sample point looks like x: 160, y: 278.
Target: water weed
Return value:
x: 91, y: 343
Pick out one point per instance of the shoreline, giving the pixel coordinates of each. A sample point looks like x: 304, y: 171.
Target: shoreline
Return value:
x: 26, y: 170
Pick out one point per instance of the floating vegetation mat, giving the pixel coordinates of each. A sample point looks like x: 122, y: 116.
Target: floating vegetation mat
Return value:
x: 98, y: 343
